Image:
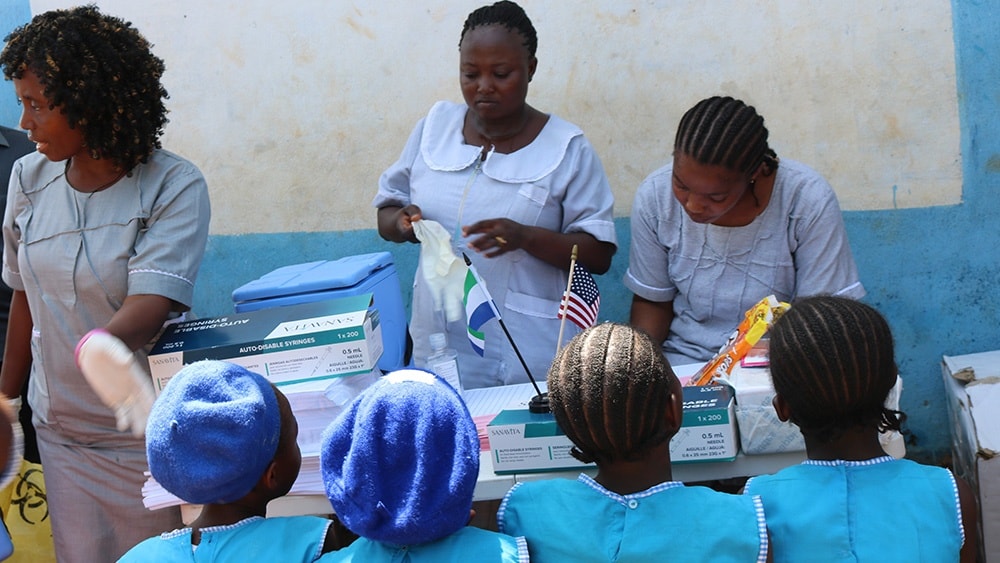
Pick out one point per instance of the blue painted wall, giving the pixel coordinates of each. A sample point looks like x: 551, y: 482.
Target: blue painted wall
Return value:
x: 12, y: 14
x: 934, y: 272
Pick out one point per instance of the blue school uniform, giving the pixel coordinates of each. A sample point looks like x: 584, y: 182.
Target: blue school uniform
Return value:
x: 291, y: 538
x: 467, y: 544
x: 581, y: 521
x: 880, y: 509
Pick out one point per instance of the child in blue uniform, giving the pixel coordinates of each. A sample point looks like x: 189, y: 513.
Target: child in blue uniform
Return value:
x: 223, y: 436
x: 616, y: 398
x: 832, y: 364
x: 400, y: 466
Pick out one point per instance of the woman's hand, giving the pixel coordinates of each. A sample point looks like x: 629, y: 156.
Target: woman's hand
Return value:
x: 499, y: 236
x: 496, y: 236
x: 395, y: 223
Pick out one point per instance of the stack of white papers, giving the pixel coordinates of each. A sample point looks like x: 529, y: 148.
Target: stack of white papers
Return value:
x: 310, y: 482
x: 314, y: 411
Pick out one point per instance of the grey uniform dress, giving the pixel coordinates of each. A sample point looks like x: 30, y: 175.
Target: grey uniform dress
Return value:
x: 797, y: 247
x: 77, y: 256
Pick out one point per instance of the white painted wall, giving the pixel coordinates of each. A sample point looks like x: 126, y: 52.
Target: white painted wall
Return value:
x: 293, y: 109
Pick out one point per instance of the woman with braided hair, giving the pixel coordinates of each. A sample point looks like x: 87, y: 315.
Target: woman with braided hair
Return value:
x: 832, y: 364
x: 726, y: 224
x: 104, y: 232
x: 514, y: 187
x: 619, y: 402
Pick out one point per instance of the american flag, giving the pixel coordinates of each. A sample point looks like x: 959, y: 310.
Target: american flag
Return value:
x: 583, y: 301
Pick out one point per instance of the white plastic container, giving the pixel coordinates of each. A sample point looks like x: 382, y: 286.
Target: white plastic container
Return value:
x: 443, y: 361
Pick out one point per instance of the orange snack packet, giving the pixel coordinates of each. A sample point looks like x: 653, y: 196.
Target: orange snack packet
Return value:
x: 751, y: 329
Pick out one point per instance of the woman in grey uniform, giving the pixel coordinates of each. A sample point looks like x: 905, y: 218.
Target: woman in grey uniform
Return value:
x: 103, y: 230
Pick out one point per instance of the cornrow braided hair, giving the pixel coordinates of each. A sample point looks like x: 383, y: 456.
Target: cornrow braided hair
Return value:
x: 832, y: 361
x: 609, y: 389
x: 726, y: 132
x: 507, y: 14
x: 99, y: 71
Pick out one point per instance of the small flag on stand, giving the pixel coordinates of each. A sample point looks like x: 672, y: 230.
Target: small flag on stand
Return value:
x: 479, y: 309
x: 581, y: 304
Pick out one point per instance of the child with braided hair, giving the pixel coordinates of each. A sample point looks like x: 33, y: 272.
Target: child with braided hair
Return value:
x: 617, y: 399
x: 832, y: 364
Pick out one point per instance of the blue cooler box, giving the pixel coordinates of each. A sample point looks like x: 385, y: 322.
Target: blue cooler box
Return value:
x: 327, y: 279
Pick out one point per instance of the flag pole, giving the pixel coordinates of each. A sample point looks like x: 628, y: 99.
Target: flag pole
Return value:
x: 564, y: 305
x: 540, y: 402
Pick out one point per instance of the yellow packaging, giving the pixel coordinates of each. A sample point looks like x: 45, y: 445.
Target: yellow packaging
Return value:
x: 751, y: 329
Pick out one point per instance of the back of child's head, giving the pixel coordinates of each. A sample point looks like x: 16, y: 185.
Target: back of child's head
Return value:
x: 400, y: 463
x: 832, y: 363
x: 610, y: 389
x: 212, y: 432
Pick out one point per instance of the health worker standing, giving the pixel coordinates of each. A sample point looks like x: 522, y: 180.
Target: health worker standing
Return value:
x: 104, y: 231
x: 516, y: 186
x: 725, y: 225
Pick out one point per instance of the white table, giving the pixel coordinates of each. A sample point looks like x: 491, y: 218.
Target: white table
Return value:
x: 491, y: 486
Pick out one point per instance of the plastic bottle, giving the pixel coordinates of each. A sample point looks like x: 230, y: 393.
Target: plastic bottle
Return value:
x: 443, y: 361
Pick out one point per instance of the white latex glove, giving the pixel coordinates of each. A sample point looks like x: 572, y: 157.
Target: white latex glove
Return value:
x: 116, y: 377
x: 443, y: 271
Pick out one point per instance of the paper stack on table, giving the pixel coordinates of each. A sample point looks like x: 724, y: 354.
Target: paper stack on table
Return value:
x: 314, y: 412
x: 315, y: 405
x: 485, y: 403
x: 310, y: 482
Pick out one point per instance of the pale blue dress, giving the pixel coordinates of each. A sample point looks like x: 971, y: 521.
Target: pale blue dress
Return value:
x: 882, y: 509
x: 289, y: 539
x: 797, y: 247
x: 77, y: 256
x: 556, y: 182
x: 466, y: 545
x: 581, y: 521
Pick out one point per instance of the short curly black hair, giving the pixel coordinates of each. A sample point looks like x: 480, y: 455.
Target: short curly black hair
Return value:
x: 100, y: 72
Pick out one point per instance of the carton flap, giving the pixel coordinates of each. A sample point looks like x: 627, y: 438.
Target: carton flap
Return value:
x: 984, y: 400
x: 983, y: 364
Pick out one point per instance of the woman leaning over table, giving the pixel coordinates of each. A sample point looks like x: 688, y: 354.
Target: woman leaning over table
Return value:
x: 726, y: 224
x: 103, y: 230
x: 517, y: 186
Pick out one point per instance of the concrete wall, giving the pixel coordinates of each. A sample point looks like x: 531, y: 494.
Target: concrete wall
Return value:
x: 293, y: 112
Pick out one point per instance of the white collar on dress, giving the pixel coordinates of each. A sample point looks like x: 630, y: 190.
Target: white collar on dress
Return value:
x: 623, y: 499
x: 849, y: 463
x: 443, y: 147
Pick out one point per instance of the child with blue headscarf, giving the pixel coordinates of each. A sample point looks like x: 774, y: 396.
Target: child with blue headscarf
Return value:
x: 224, y: 437
x: 400, y: 466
